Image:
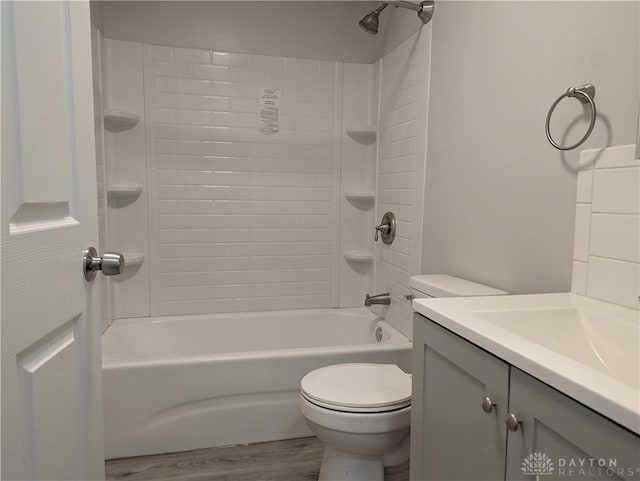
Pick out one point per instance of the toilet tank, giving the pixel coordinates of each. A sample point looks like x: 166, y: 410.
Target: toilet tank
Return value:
x: 441, y: 285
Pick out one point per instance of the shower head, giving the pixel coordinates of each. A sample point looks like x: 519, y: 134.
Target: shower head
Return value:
x: 424, y: 9
x: 369, y: 22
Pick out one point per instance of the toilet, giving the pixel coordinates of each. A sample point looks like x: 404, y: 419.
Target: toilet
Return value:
x: 362, y: 411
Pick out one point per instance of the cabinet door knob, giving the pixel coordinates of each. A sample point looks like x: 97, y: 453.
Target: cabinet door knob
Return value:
x: 512, y: 422
x: 487, y: 404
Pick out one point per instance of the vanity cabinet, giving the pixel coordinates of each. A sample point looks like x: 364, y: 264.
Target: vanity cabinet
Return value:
x: 462, y: 395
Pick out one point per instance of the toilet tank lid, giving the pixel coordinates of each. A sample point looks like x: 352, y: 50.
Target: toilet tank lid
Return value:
x: 442, y: 285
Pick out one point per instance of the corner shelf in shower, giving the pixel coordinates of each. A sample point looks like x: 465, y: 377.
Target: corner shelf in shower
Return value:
x: 358, y: 256
x: 133, y: 259
x: 360, y: 196
x: 119, y: 120
x: 122, y: 191
x: 363, y: 134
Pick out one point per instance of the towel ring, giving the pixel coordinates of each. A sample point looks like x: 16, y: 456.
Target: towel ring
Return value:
x: 585, y: 94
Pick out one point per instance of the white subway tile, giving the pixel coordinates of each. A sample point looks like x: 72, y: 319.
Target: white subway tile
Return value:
x: 585, y: 184
x: 247, y: 75
x: 207, y: 102
x: 212, y: 72
x: 620, y: 156
x: 579, y: 278
x: 617, y: 190
x: 172, y: 69
x: 264, y: 62
x: 614, y: 281
x: 226, y: 58
x: 229, y: 89
x: 191, y: 55
x: 236, y: 210
x: 615, y: 236
x: 165, y: 116
x: 581, y: 232
x: 193, y: 117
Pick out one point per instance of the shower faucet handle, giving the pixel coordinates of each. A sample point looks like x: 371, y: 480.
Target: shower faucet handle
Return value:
x: 387, y: 228
x: 382, y: 228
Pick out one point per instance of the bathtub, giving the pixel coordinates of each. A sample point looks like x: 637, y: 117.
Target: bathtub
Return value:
x: 179, y: 383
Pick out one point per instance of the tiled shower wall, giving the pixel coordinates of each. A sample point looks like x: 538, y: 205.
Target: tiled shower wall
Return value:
x: 401, y: 169
x: 239, y: 220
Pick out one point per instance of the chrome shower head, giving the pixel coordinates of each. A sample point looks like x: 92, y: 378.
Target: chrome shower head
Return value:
x: 424, y: 9
x: 369, y: 22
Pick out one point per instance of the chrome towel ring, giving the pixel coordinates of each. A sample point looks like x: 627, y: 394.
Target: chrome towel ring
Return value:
x: 585, y: 94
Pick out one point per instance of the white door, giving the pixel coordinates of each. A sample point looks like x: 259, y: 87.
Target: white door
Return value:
x: 51, y: 377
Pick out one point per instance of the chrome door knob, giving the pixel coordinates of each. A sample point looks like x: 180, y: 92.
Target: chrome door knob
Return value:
x: 487, y: 404
x: 512, y: 422
x: 111, y: 263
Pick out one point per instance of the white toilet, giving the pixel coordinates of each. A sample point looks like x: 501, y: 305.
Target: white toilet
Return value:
x: 362, y: 412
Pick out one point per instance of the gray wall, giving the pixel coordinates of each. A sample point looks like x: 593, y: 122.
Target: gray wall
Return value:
x: 323, y: 30
x: 309, y: 29
x: 499, y: 200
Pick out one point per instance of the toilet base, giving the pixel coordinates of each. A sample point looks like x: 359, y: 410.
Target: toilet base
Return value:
x: 340, y: 466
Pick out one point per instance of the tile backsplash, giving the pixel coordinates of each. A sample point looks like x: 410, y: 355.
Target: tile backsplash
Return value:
x: 606, y: 256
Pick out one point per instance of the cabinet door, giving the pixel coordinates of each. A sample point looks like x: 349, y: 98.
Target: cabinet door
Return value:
x: 570, y: 440
x: 452, y: 438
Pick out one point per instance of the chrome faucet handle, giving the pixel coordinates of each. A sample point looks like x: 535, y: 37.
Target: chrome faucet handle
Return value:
x: 387, y: 228
x: 383, y: 228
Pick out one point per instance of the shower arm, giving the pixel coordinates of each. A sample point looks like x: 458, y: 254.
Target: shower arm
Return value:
x: 402, y: 3
x: 424, y: 9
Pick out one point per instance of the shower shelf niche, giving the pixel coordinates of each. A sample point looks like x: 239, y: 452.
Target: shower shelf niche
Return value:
x: 364, y: 134
x: 119, y: 120
x: 133, y: 259
x: 358, y: 256
x: 121, y: 191
x: 360, y: 196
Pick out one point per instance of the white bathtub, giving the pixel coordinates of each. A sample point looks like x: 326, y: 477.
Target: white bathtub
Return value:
x: 179, y: 383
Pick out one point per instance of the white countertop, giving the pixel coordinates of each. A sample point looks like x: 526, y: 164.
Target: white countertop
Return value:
x: 585, y: 348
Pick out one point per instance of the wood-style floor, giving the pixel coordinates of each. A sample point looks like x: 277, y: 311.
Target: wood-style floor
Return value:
x: 290, y: 460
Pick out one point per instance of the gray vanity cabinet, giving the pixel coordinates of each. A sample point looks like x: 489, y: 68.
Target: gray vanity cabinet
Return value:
x: 580, y: 443
x: 453, y: 437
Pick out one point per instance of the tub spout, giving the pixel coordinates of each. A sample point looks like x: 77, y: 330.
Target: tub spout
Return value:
x: 384, y: 299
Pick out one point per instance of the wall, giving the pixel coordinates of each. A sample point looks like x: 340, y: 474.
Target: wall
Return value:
x: 499, y: 205
x: 606, y: 252
x: 357, y: 175
x: 403, y: 98
x: 304, y: 29
x: 237, y: 220
x: 240, y: 221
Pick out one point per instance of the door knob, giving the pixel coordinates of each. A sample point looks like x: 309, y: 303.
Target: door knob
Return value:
x: 111, y: 263
x: 487, y: 404
x: 512, y: 421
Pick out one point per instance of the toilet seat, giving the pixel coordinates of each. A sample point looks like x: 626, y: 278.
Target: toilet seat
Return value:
x: 358, y: 388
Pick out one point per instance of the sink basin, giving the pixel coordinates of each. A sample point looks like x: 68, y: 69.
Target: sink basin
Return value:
x: 583, y: 347
x: 606, y: 344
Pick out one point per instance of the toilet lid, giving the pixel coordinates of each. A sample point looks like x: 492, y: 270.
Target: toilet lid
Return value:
x: 358, y: 387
